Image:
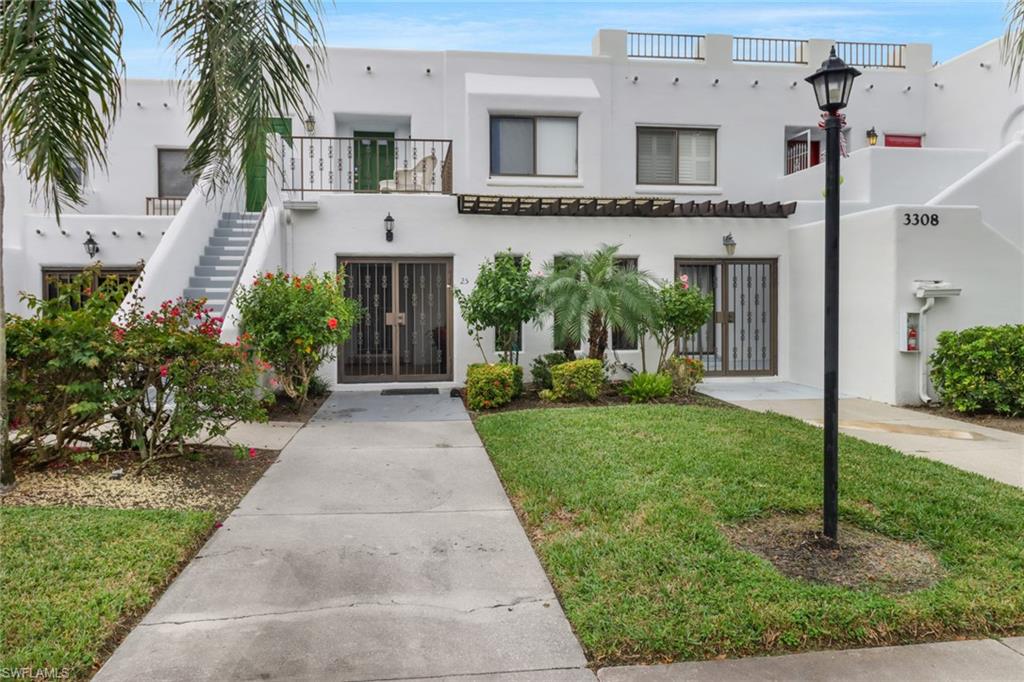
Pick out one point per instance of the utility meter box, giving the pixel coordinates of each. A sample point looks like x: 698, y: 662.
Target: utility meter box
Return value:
x: 910, y: 330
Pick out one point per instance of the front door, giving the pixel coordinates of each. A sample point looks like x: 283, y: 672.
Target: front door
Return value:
x: 404, y: 332
x: 375, y: 159
x: 741, y: 337
x: 256, y: 167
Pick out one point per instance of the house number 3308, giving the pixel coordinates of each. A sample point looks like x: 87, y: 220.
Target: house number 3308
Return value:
x: 920, y: 218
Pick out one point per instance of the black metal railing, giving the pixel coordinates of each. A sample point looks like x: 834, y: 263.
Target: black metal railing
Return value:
x: 769, y: 50
x: 665, y: 46
x: 365, y: 164
x: 163, y: 205
x: 880, y: 55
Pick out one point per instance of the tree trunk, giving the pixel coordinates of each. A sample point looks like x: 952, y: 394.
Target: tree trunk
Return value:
x: 6, y: 460
x: 598, y: 336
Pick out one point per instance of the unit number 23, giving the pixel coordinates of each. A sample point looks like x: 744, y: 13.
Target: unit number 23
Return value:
x: 920, y: 218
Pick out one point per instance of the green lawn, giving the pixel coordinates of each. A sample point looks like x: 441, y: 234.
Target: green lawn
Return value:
x: 624, y: 505
x: 67, y: 576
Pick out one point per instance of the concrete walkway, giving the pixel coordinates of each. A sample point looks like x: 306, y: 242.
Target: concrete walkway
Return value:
x: 380, y: 546
x: 990, y: 452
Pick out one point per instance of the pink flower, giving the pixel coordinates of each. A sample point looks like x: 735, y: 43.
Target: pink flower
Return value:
x: 252, y: 452
x: 685, y: 279
x: 332, y: 323
x: 218, y: 524
x: 163, y: 370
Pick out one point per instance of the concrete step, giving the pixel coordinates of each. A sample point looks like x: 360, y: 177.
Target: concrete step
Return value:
x: 211, y: 282
x: 240, y: 242
x: 213, y: 271
x: 220, y: 260
x: 226, y: 251
x: 238, y: 233
x: 240, y: 216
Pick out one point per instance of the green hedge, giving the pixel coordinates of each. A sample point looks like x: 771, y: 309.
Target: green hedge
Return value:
x: 576, y: 381
x: 490, y: 386
x: 645, y: 387
x: 981, y: 369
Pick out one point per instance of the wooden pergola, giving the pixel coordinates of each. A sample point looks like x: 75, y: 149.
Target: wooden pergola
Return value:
x: 639, y: 207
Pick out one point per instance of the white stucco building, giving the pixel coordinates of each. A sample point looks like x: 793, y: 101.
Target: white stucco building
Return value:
x: 665, y: 144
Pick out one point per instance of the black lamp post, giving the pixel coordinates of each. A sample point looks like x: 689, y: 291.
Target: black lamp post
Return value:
x: 832, y: 85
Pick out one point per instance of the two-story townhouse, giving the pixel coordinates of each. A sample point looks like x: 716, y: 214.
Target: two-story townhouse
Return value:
x: 699, y: 155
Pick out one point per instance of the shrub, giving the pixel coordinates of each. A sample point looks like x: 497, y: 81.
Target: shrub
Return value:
x: 981, y: 369
x: 176, y: 381
x: 685, y: 372
x: 540, y: 369
x: 578, y: 380
x: 679, y: 312
x: 503, y: 298
x: 296, y: 324
x: 645, y: 387
x: 59, y: 366
x: 489, y: 386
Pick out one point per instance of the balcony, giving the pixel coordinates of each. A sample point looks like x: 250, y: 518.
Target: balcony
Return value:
x: 163, y: 205
x: 366, y: 164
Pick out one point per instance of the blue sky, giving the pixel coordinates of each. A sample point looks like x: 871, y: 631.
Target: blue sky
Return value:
x: 567, y: 27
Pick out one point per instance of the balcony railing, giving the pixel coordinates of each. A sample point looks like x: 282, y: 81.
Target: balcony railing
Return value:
x: 163, y: 205
x: 769, y: 50
x: 881, y: 55
x: 366, y: 164
x: 665, y: 46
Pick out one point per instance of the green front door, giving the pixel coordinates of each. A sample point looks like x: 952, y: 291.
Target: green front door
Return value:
x: 256, y: 167
x: 375, y: 159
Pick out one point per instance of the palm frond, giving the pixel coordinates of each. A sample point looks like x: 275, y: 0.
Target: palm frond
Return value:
x: 60, y: 90
x: 1012, y: 46
x: 243, y: 63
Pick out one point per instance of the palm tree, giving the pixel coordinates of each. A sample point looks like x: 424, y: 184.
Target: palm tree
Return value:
x: 595, y: 291
x: 1013, y: 39
x: 61, y: 74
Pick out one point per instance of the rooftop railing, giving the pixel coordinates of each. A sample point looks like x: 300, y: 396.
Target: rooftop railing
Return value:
x: 769, y: 50
x: 665, y: 46
x: 880, y: 55
x: 366, y: 164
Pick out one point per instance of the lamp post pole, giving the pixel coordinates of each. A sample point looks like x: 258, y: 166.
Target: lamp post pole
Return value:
x: 831, y: 383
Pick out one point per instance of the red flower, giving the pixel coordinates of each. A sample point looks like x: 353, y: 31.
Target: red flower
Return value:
x: 270, y: 275
x: 252, y: 452
x: 163, y: 370
x: 332, y: 323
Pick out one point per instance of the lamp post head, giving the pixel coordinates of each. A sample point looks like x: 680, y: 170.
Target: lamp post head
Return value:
x: 91, y: 246
x: 309, y: 124
x: 389, y: 227
x: 833, y: 83
x: 872, y: 136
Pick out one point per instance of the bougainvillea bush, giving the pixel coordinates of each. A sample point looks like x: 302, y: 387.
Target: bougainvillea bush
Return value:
x: 177, y: 380
x: 296, y: 323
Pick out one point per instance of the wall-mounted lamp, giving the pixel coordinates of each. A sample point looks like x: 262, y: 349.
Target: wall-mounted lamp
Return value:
x: 714, y: 83
x: 389, y: 228
x: 872, y: 136
x: 309, y: 124
x: 91, y: 247
x: 729, y: 243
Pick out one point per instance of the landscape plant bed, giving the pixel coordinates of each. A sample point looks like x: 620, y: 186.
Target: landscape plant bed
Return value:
x: 610, y: 396
x: 209, y: 478
x: 285, y: 410
x: 993, y: 421
x: 628, y: 510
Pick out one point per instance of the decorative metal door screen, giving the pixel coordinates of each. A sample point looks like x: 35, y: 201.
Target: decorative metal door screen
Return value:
x: 404, y: 331
x: 741, y: 338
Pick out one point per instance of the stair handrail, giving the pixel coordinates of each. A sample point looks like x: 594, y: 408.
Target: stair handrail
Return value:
x: 245, y: 260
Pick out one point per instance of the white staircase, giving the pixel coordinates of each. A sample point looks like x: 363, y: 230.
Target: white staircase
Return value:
x: 222, y: 259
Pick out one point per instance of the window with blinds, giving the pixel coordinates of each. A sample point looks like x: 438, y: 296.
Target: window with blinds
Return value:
x: 676, y: 156
x: 534, y: 145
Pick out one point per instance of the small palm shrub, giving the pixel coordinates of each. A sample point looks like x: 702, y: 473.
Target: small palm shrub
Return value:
x: 541, y: 366
x: 685, y: 372
x: 296, y: 323
x: 981, y: 369
x: 644, y: 387
x: 576, y: 381
x: 489, y: 386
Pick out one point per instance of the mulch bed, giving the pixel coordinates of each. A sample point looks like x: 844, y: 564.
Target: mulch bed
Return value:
x: 993, y: 421
x: 209, y: 478
x: 284, y: 410
x: 861, y: 559
x: 609, y: 396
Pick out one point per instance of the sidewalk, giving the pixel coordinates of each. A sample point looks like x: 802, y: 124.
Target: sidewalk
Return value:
x: 990, y: 452
x: 983, y: 659
x: 380, y: 546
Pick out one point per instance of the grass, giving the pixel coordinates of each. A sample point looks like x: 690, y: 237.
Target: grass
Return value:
x: 70, y: 578
x: 625, y: 506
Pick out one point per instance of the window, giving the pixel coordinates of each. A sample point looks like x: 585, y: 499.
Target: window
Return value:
x: 676, y: 156
x: 54, y: 276
x: 172, y: 181
x: 620, y: 339
x: 539, y: 145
